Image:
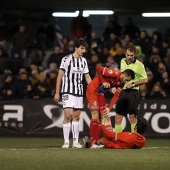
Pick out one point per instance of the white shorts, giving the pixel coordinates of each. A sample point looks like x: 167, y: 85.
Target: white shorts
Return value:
x: 70, y: 101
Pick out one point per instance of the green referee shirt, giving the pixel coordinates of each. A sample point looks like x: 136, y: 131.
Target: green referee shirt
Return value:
x: 137, y: 67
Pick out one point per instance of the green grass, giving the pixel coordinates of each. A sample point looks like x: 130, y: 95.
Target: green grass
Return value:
x: 46, y: 154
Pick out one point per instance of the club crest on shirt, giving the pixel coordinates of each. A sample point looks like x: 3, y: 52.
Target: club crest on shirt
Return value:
x: 110, y: 71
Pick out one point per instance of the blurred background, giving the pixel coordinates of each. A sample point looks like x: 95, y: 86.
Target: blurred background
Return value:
x: 34, y: 11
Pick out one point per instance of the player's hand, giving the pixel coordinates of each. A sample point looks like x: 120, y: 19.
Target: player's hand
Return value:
x: 106, y: 113
x: 129, y: 85
x: 106, y: 85
x: 57, y: 97
x: 113, y: 90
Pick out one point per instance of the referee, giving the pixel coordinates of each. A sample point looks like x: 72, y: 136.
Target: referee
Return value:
x: 129, y: 97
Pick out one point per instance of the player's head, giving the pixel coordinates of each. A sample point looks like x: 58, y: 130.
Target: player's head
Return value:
x: 127, y: 75
x: 80, y: 47
x: 130, y: 53
x: 141, y: 125
x: 131, y: 48
x: 80, y: 42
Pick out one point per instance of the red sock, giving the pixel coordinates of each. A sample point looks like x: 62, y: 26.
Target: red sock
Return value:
x: 102, y: 103
x: 94, y: 130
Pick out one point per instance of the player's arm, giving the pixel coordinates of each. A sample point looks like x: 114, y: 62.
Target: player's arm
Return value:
x: 141, y: 77
x: 100, y: 70
x: 112, y: 102
x: 58, y: 85
x: 88, y: 78
x: 114, y: 99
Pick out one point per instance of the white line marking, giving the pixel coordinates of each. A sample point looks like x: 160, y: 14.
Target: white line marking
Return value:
x: 157, y: 148
x: 27, y: 149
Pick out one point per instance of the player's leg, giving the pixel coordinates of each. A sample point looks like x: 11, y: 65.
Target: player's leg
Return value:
x: 121, y: 110
x: 118, y: 123
x: 67, y: 126
x: 94, y: 127
x: 93, y: 103
x: 101, y: 99
x: 78, y: 105
x: 133, y: 100
x: 133, y: 121
x: 75, y: 128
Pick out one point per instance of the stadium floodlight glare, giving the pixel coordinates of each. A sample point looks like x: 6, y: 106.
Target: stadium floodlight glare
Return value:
x: 156, y: 14
x: 65, y: 14
x: 98, y: 12
x: 86, y: 13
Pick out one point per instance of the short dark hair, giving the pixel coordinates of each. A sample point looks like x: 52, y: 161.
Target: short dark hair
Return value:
x: 80, y: 42
x: 131, y: 48
x: 129, y: 72
x: 142, y: 125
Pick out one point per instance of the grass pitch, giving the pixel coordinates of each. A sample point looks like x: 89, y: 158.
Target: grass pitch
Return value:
x: 47, y: 154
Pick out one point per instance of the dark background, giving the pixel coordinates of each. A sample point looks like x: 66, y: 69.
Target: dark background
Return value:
x: 34, y: 10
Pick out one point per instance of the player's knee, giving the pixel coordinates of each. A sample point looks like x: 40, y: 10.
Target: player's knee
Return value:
x: 67, y: 117
x: 95, y: 114
x: 132, y: 119
x: 76, y: 117
x: 118, y: 119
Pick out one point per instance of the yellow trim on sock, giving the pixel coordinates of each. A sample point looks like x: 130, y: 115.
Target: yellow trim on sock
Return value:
x: 133, y: 127
x: 118, y: 128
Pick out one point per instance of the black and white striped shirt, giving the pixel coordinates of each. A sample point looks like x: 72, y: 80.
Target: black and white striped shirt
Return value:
x: 74, y: 70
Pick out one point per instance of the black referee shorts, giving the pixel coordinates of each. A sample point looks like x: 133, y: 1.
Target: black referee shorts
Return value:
x: 128, y: 102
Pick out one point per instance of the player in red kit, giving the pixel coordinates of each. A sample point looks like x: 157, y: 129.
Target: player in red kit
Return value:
x: 108, y: 78
x: 122, y: 140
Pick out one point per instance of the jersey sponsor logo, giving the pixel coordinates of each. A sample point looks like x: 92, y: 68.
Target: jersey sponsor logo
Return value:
x: 65, y: 97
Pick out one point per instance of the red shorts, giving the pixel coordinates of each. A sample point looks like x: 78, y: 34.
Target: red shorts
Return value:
x: 92, y: 99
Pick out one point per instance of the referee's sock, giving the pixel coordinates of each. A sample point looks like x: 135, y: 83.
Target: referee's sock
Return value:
x: 133, y: 128
x: 118, y: 128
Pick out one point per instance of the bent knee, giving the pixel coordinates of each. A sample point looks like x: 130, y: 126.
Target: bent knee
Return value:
x: 133, y: 119
x: 118, y: 119
x: 95, y: 114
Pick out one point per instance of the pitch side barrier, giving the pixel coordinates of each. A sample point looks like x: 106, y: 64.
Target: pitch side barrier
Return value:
x: 44, y: 117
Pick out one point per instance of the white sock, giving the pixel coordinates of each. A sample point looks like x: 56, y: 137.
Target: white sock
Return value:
x: 75, y: 132
x: 66, y: 132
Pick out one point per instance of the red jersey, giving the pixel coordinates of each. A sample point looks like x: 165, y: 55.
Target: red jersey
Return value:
x: 122, y: 140
x: 105, y: 75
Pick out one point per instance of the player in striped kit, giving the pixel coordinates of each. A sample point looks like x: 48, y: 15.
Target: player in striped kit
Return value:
x: 69, y: 82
